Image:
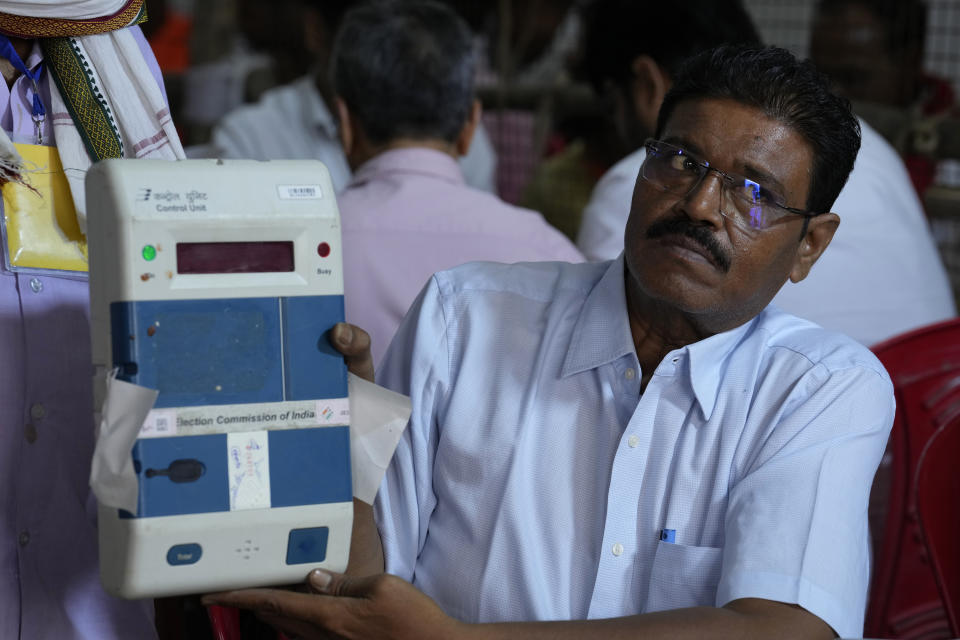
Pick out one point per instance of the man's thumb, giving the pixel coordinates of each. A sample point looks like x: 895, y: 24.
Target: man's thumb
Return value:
x: 337, y: 584
x: 320, y: 580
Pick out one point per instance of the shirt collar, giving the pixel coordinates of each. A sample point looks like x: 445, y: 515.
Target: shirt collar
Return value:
x: 411, y: 160
x: 708, y: 363
x: 602, y: 334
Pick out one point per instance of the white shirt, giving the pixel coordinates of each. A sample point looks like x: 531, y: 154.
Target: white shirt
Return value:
x: 881, y: 274
x: 534, y: 479
x: 292, y: 122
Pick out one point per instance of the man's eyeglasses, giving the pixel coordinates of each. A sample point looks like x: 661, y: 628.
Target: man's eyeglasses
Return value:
x: 750, y: 205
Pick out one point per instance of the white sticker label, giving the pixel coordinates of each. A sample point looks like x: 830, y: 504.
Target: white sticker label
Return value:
x: 248, y: 466
x: 226, y: 418
x: 299, y: 191
x: 160, y: 423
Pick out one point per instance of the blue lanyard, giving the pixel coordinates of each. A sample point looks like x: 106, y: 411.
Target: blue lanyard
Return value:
x: 7, y: 51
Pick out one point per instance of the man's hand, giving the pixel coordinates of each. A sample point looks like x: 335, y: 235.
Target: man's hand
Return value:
x: 383, y: 606
x: 386, y: 607
x: 354, y: 343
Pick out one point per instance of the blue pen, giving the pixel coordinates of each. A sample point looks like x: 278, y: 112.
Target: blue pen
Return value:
x: 668, y: 535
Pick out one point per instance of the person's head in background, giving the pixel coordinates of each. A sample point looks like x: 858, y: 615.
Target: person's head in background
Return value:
x: 871, y: 49
x: 633, y: 49
x: 296, y: 34
x: 403, y: 74
x: 320, y: 21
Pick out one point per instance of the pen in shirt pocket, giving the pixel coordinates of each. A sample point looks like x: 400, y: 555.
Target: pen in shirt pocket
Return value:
x: 668, y: 535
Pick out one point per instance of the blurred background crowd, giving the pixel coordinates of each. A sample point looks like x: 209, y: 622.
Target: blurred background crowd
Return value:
x: 548, y: 134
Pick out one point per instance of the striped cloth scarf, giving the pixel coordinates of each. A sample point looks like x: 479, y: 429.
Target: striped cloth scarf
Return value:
x: 105, y: 101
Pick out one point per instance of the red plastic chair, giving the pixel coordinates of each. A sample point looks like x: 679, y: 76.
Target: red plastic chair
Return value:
x: 225, y: 623
x: 916, y: 578
x: 938, y: 498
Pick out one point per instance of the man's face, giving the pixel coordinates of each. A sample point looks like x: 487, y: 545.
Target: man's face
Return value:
x: 680, y: 250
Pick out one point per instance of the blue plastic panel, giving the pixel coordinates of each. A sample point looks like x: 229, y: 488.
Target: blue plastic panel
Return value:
x: 160, y: 496
x: 307, y: 466
x: 310, y: 466
x: 307, y: 545
x: 314, y: 369
x: 200, y: 352
x: 230, y: 351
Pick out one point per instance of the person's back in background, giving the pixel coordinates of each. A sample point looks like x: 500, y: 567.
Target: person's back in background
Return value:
x: 883, y: 275
x: 403, y: 77
x: 294, y: 121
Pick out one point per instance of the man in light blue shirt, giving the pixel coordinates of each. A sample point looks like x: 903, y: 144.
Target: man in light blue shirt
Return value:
x: 642, y: 447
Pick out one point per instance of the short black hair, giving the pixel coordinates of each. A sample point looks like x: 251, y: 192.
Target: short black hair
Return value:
x: 617, y: 31
x: 405, y: 69
x: 784, y: 88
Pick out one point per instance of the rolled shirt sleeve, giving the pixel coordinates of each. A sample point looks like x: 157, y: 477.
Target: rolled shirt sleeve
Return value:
x: 415, y: 365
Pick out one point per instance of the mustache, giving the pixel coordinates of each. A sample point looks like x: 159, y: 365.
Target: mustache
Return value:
x: 697, y: 233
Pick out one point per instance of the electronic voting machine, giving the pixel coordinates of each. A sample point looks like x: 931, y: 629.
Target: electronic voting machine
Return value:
x: 215, y: 283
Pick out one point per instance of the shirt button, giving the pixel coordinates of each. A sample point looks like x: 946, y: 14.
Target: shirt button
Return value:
x: 617, y: 549
x: 24, y: 538
x: 633, y: 441
x: 38, y: 411
x: 30, y: 433
x: 36, y: 285
x: 630, y: 374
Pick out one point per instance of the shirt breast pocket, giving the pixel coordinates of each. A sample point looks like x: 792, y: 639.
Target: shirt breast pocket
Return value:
x: 683, y: 576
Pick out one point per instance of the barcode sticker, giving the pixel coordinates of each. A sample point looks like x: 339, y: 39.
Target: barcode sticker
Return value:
x: 299, y: 191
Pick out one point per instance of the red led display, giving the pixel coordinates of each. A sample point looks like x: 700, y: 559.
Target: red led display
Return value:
x: 234, y: 257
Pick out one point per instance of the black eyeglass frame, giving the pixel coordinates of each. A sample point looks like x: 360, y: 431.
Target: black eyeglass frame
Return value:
x: 654, y: 146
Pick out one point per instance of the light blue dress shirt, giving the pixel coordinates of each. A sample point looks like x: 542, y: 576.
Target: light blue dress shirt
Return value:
x: 534, y: 480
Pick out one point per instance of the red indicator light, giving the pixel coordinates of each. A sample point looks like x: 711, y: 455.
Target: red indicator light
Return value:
x: 323, y: 249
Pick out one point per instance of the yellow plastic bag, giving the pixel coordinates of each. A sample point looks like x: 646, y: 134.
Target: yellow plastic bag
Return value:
x: 41, y: 226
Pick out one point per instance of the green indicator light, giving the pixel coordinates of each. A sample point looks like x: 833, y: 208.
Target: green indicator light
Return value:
x: 149, y: 252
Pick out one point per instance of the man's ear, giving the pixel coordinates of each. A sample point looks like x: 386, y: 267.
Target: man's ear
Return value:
x: 469, y: 128
x: 648, y: 87
x: 346, y: 124
x: 819, y: 233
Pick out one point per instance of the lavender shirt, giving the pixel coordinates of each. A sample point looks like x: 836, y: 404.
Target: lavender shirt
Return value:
x: 49, y: 576
x: 406, y: 214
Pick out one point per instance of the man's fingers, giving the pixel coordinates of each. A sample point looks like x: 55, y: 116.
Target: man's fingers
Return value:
x: 354, y: 343
x: 338, y: 584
